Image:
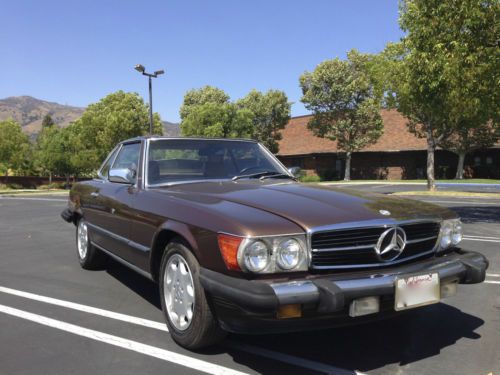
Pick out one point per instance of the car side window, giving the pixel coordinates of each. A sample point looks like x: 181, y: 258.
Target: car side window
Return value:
x: 128, y: 157
x: 104, y: 171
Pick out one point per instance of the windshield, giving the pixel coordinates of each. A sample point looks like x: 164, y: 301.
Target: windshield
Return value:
x: 171, y: 160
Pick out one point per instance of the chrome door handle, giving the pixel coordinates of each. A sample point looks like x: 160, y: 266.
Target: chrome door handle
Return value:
x: 94, y: 194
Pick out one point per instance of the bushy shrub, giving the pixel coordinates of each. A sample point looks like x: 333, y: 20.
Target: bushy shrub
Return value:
x: 13, y: 185
x: 54, y: 185
x: 310, y: 178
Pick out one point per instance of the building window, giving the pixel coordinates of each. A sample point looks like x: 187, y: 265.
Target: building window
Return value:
x: 338, y: 165
x: 489, y: 160
x: 477, y: 161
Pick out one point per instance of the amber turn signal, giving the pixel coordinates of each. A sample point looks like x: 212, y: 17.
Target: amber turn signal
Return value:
x: 289, y: 311
x: 228, y: 246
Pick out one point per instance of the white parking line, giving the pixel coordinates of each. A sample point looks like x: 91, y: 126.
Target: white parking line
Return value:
x: 280, y: 357
x: 121, y: 342
x: 493, y: 274
x: 484, y: 237
x: 87, y: 309
x: 472, y: 203
x: 491, y: 282
x: 479, y: 239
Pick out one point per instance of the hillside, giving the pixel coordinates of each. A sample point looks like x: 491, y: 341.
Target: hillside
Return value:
x: 171, y: 129
x: 29, y: 112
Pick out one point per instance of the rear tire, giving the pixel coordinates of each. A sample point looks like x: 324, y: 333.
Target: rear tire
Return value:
x: 89, y: 257
x: 188, y: 315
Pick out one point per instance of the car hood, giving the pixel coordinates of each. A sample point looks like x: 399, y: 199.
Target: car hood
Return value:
x: 308, y: 205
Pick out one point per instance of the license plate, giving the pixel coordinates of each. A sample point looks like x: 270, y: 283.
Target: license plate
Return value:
x: 416, y: 290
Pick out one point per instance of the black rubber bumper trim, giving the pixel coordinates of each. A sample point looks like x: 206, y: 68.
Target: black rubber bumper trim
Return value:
x: 68, y: 215
x: 251, y: 295
x: 334, y: 292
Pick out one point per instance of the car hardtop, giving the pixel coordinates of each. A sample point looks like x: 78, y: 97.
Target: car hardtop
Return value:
x: 164, y: 137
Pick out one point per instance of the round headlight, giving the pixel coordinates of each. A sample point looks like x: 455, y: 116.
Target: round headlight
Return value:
x: 446, y: 234
x: 457, y: 233
x: 288, y: 252
x: 256, y: 256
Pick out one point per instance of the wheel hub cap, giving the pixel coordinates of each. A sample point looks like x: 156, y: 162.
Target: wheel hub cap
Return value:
x: 82, y: 239
x: 178, y: 290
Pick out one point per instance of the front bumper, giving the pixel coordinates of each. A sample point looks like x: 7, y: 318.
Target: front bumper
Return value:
x: 68, y: 215
x: 328, y: 294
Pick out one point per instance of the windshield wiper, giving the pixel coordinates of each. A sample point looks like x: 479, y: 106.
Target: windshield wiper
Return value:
x: 262, y: 175
x: 278, y: 175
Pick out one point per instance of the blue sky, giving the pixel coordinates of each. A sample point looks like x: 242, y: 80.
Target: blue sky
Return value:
x: 76, y: 52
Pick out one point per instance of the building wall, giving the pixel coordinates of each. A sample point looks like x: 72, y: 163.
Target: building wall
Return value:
x: 396, y: 165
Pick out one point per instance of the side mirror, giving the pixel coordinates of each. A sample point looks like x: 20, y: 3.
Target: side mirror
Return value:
x: 294, y: 171
x: 122, y: 175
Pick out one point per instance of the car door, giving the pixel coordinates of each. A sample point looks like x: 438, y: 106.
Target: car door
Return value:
x: 112, y: 202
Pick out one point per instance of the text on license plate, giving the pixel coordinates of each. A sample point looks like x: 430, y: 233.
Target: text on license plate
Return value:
x: 416, y: 290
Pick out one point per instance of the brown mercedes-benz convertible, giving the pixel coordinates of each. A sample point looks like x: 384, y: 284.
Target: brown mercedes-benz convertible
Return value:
x: 237, y: 244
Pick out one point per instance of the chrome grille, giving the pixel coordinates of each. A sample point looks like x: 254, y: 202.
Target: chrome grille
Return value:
x: 355, y: 247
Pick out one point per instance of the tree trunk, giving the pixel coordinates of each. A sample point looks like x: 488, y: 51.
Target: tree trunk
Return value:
x: 460, y: 166
x: 431, y: 147
x: 347, y: 174
x: 67, y: 182
x: 50, y: 177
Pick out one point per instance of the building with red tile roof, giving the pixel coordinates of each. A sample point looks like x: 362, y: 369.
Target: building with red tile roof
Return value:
x: 397, y: 154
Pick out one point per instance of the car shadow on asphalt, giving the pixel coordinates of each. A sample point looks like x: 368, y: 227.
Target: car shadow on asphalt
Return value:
x: 140, y: 285
x: 472, y: 215
x: 402, y: 340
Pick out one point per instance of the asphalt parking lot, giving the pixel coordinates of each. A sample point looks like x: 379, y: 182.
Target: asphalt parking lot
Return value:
x: 56, y: 318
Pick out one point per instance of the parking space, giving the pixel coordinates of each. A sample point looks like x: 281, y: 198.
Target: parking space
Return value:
x: 57, y: 318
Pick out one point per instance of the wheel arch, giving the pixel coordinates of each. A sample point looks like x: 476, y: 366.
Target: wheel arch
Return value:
x: 163, y: 236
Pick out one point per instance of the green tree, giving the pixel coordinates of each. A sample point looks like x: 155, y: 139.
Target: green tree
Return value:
x: 341, y: 96
x: 14, y: 147
x: 114, y: 118
x: 203, y: 95
x: 43, y: 152
x: 271, y: 113
x: 467, y: 139
x: 445, y: 76
x: 218, y: 120
x: 47, y: 121
x: 54, y: 152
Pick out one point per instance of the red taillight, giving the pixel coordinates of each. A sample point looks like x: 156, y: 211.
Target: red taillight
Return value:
x: 228, y: 246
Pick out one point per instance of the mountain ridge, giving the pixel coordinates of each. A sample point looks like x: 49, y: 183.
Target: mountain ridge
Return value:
x: 30, y: 111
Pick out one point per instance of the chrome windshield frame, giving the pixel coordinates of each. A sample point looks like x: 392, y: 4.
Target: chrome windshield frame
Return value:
x: 178, y: 182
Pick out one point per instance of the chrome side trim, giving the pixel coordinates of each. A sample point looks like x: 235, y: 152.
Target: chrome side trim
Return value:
x: 117, y: 237
x: 296, y: 292
x: 124, y: 262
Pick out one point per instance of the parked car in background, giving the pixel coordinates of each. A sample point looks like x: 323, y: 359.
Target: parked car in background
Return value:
x: 237, y: 244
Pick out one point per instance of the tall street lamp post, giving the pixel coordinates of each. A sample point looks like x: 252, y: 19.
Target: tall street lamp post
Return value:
x: 141, y: 69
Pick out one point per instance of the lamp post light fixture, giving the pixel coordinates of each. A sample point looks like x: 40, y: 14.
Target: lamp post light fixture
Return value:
x: 141, y: 69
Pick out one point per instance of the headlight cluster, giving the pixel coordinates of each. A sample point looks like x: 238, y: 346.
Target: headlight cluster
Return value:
x: 265, y: 255
x: 451, y: 233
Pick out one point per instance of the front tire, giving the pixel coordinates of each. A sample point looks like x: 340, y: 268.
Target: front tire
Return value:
x: 89, y: 257
x: 184, y: 303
